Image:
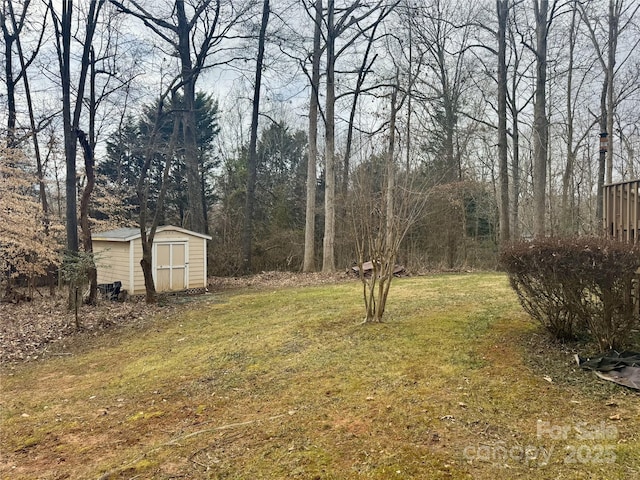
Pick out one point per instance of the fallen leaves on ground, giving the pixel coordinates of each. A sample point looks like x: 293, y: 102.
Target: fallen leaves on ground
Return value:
x: 31, y: 330
x: 35, y: 329
x: 277, y: 279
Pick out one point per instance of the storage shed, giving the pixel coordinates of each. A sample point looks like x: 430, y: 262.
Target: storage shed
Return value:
x: 179, y: 259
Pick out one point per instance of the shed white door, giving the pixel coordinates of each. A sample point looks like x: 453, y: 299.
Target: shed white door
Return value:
x: 171, y: 266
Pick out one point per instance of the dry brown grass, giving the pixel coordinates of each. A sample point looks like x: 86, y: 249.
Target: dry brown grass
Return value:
x: 286, y: 383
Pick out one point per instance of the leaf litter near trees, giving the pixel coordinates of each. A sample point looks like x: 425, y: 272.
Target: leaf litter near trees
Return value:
x: 42, y: 327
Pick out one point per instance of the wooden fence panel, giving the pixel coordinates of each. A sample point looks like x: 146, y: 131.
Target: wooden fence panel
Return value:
x: 621, y: 211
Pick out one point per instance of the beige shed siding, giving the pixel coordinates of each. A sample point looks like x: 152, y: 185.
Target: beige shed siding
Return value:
x: 196, y: 263
x: 122, y: 259
x: 172, y: 236
x: 113, y: 262
x: 138, y: 277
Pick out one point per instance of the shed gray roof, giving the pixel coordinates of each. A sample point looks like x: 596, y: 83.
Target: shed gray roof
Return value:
x: 128, y: 234
x: 119, y: 234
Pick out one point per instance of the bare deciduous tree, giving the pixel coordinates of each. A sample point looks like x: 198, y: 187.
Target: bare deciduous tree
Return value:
x: 502, y: 7
x: 543, y: 18
x: 312, y: 160
x: 348, y: 17
x: 73, y: 100
x: 382, y: 212
x: 620, y: 17
x: 150, y: 219
x: 247, y: 233
x: 192, y: 30
x: 13, y: 24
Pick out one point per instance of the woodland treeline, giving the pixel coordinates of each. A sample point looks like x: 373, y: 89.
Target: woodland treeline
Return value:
x: 290, y: 130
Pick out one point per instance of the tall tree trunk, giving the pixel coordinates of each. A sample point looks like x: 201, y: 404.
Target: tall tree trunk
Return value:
x: 514, y: 220
x: 36, y: 152
x: 70, y: 138
x: 391, y: 234
x: 191, y: 38
x: 409, y: 96
x: 148, y: 229
x: 17, y: 24
x: 310, y: 213
x: 63, y: 26
x: 195, y: 219
x: 607, y: 97
x: 615, y: 7
x: 88, y: 148
x: 328, y: 255
x: 391, y: 165
x: 567, y: 177
x: 602, y: 152
x: 87, y: 243
x: 9, y: 39
x: 247, y: 233
x: 452, y: 172
x: 540, y: 121
x: 71, y: 117
x: 502, y: 7
x: 515, y: 177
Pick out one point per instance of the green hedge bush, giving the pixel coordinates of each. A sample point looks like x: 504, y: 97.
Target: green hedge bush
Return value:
x: 583, y: 287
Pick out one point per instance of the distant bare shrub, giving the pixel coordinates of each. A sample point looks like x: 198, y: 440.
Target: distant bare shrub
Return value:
x: 577, y: 287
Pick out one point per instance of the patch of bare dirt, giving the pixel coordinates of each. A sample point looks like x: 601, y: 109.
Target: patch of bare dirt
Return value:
x: 34, y: 329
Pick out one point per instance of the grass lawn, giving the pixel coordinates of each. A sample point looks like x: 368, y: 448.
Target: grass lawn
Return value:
x: 286, y: 383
